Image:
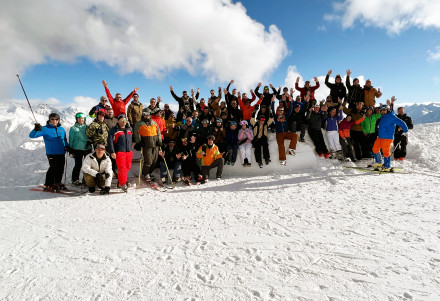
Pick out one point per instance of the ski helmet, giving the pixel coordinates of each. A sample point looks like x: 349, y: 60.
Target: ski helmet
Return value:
x: 384, y: 107
x: 54, y: 115
x: 80, y: 115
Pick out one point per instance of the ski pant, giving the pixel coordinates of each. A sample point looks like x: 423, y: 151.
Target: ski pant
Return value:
x: 54, y: 174
x: 385, y: 145
x: 232, y: 149
x: 123, y: 161
x: 293, y: 137
x: 258, y: 143
x: 217, y: 163
x: 176, y: 167
x: 78, y: 157
x: 369, y: 140
x: 347, y: 147
x: 295, y: 126
x: 400, y: 150
x: 333, y: 141
x: 150, y: 159
x: 357, y: 140
x: 189, y: 166
x: 90, y: 181
x: 246, y: 152
x: 318, y: 141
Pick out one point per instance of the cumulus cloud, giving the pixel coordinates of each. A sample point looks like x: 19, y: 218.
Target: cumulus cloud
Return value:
x: 392, y: 15
x: 213, y: 38
x: 434, y: 55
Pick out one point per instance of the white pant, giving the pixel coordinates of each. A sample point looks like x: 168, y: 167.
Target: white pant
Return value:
x: 246, y: 152
x: 333, y: 140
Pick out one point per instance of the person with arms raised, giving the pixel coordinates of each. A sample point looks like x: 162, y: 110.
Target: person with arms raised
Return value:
x: 118, y: 104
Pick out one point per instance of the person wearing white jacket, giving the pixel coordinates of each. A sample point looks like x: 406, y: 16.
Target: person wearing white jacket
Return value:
x: 245, y: 136
x: 97, y: 168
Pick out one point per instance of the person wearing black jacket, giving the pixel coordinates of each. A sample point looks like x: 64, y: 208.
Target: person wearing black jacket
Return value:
x: 185, y: 99
x: 267, y: 97
x: 228, y: 96
x: 185, y: 130
x: 170, y: 157
x: 400, y: 138
x: 337, y: 90
x: 188, y: 149
x: 234, y: 112
x: 297, y: 120
x: 314, y: 119
x: 355, y: 91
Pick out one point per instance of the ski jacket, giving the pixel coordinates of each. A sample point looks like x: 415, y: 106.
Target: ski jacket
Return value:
x: 204, y: 132
x: 336, y: 90
x: 211, y: 154
x: 345, y: 127
x: 161, y: 123
x: 355, y: 93
x: 229, y: 97
x: 314, y: 120
x: 281, y: 122
x: 219, y: 134
x: 267, y: 97
x: 77, y: 136
x: 96, y: 108
x: 304, y: 90
x: 147, y: 132
x: 387, y: 125
x: 182, y: 101
x: 257, y: 128
x: 235, y: 114
x: 120, y: 140
x: 97, y: 132
x: 118, y: 106
x: 232, y: 136
x: 110, y: 122
x: 247, y: 110
x: 247, y: 133
x: 407, y: 120
x: 92, y: 167
x: 54, y: 138
x: 171, y: 132
x: 369, y: 124
x: 370, y: 95
x: 170, y: 156
x: 186, y: 131
x: 134, y: 112
x: 332, y: 123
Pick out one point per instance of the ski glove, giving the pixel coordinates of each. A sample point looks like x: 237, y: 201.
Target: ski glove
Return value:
x: 38, y: 127
x: 105, y: 190
x: 107, y: 175
x: 98, y: 178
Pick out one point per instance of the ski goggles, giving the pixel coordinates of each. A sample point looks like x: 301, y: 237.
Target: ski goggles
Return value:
x: 80, y: 115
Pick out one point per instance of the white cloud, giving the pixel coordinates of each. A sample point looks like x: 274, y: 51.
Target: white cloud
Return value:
x: 434, y: 55
x: 214, y: 38
x: 36, y: 101
x: 392, y: 15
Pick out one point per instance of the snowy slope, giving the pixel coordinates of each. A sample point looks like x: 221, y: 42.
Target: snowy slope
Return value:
x: 313, y: 233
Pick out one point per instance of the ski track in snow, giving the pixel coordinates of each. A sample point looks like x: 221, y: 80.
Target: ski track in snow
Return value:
x: 324, y: 233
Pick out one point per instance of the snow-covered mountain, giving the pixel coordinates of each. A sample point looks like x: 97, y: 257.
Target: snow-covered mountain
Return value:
x: 423, y: 113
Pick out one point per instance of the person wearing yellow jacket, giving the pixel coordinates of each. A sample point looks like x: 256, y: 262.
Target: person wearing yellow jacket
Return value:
x: 211, y: 158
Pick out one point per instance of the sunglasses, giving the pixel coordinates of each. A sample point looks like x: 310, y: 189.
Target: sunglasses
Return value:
x: 54, y: 119
x: 123, y: 119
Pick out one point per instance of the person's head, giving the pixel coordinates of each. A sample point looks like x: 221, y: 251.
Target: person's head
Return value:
x: 223, y: 115
x: 110, y: 113
x: 205, y: 123
x: 100, y: 115
x: 368, y: 83
x: 233, y: 125
x: 188, y: 120
x: 172, y: 116
x: 171, y: 144
x: 80, y: 118
x: 146, y: 114
x: 316, y: 108
x: 248, y: 102
x: 243, y: 124
x: 359, y: 105
x: 202, y: 101
x: 263, y: 109
x: 286, y: 90
x: 186, y: 107
x: 218, y: 122
x: 184, y: 141
x: 100, y: 150
x: 122, y: 120
x: 400, y: 110
x: 262, y: 119
x: 54, y: 119
x: 103, y: 100
x: 266, y: 90
x: 195, y: 114
x: 307, y: 84
x: 234, y: 91
x: 332, y: 112
x: 211, y: 139
x: 135, y: 97
x: 166, y: 107
x: 206, y: 110
x: 212, y: 93
x: 244, y: 96
x: 234, y: 103
x: 349, y: 117
x: 338, y: 79
x: 152, y: 102
x: 356, y: 81
x: 329, y: 98
x: 384, y: 109
x: 193, y: 138
x: 280, y: 110
x: 370, y: 111
x: 185, y: 95
x: 297, y: 107
x: 298, y: 98
x: 222, y: 104
x: 118, y: 96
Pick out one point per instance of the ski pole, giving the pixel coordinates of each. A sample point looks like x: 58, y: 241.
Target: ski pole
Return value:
x: 140, y: 169
x: 27, y: 98
x: 166, y: 165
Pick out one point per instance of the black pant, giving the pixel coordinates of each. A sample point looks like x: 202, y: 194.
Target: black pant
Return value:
x: 54, y: 174
x: 347, y: 147
x: 369, y: 140
x: 357, y: 139
x: 258, y: 144
x: 79, y: 156
x: 217, y: 163
x: 318, y: 141
x: 295, y: 126
x: 400, y: 151
x: 188, y: 166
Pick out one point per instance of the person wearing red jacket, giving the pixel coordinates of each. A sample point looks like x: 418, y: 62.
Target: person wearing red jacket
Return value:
x: 307, y: 88
x: 118, y: 104
x: 246, y: 107
x: 344, y: 136
x: 156, y: 117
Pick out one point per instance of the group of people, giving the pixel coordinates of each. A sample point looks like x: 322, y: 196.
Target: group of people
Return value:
x: 207, y: 134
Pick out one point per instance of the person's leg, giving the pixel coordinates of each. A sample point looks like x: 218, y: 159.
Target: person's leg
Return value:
x: 89, y: 180
x: 177, y: 170
x: 265, y: 144
x: 386, y: 149
x: 257, y: 152
x: 376, y: 150
x: 303, y: 127
x: 78, y: 163
x: 293, y: 139
x: 281, y: 149
x: 148, y: 160
x: 234, y: 152
x: 242, y: 152
x: 331, y: 141
x: 60, y: 161
x: 321, y: 143
x: 163, y: 170
x: 248, y: 152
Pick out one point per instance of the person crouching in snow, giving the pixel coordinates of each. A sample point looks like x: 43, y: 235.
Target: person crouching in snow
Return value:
x: 344, y: 136
x: 282, y: 131
x: 120, y: 145
x: 56, y: 144
x: 97, y: 168
x: 387, y: 126
x: 332, y: 121
x: 210, y: 158
x: 170, y: 157
x: 245, y: 137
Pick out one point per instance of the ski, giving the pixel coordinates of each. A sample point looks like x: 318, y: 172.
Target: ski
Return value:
x: 62, y: 192
x: 377, y: 170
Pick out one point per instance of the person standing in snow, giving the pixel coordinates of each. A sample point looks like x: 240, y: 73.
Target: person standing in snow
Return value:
x: 355, y: 91
x: 260, y: 137
x: 307, y: 89
x: 314, y: 119
x: 332, y: 120
x: 97, y: 132
x: 97, y: 169
x: 56, y: 144
x: 78, y: 146
x: 134, y: 110
x: 267, y: 97
x: 387, y: 126
x: 117, y: 103
x: 102, y: 105
x: 344, y: 135
x: 245, y: 136
x: 120, y: 146
x: 369, y: 130
x: 400, y: 140
x: 337, y: 90
x: 370, y: 94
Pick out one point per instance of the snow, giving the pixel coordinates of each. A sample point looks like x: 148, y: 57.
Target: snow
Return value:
x: 309, y: 231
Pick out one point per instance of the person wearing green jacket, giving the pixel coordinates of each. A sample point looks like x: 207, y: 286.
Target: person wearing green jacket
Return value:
x: 369, y: 130
x: 78, y: 145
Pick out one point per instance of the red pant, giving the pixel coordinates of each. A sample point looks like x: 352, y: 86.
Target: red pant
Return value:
x: 123, y: 162
x: 384, y: 144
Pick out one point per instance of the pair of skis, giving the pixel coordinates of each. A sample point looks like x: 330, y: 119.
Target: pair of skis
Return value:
x: 378, y: 170
x: 68, y: 192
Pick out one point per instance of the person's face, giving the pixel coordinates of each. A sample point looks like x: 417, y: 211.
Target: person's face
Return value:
x: 212, y: 92
x: 359, y: 106
x: 205, y: 125
x: 171, y: 144
x: 369, y: 112
x: 136, y: 98
x: 233, y: 126
x: 103, y: 101
x: 296, y: 109
x: 219, y: 123
x: 244, y: 96
x: 348, y: 118
x: 222, y: 104
x: 118, y: 96
x: 189, y: 120
x: 195, y: 114
x: 332, y: 113
x: 152, y: 102
x: 193, y: 139
x: 368, y: 83
x: 263, y: 109
x: 100, y: 117
x: 243, y: 126
x: 81, y: 120
x: 185, y: 142
x: 383, y: 111
x: 400, y: 111
x: 262, y: 121
x: 54, y: 121
x: 280, y: 111
x: 185, y: 95
x: 316, y: 109
x: 286, y: 91
x: 166, y: 108
x: 234, y: 91
x: 233, y: 104
x: 210, y: 141
x: 337, y: 80
x: 147, y: 117
x: 100, y: 152
x: 307, y: 83
x: 122, y: 122
x: 110, y: 113
x: 202, y: 101
x: 356, y: 82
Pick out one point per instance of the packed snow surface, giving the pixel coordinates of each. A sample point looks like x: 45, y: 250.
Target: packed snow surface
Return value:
x: 312, y: 230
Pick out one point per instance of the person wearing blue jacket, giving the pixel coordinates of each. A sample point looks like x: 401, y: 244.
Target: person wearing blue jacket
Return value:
x: 387, y: 126
x: 78, y: 146
x: 282, y: 131
x: 56, y: 144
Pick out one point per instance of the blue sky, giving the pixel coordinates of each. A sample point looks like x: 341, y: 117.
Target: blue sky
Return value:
x: 403, y: 62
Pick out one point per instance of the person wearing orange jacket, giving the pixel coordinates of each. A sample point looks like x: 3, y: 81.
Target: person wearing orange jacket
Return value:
x: 344, y: 135
x: 156, y: 117
x: 117, y: 103
x: 210, y: 158
x: 246, y: 107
